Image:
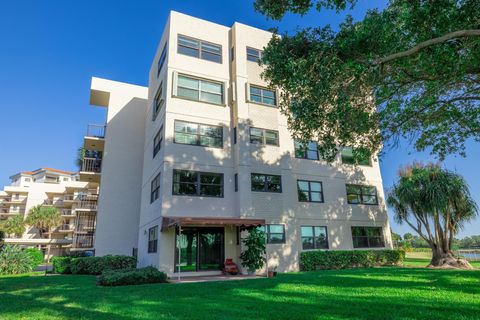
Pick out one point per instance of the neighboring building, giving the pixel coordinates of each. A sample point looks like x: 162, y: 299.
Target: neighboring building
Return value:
x: 75, y: 200
x: 204, y: 152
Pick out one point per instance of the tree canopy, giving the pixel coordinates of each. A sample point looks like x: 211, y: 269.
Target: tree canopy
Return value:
x: 415, y: 62
x: 13, y: 226
x: 44, y: 218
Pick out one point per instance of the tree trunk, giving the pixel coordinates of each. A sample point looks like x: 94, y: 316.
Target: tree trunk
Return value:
x: 444, y: 259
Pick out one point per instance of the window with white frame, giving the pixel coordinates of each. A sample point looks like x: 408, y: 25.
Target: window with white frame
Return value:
x: 199, y: 49
x: 200, y: 90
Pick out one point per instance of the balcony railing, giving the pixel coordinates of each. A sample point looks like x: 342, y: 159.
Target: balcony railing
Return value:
x: 66, y: 227
x: 68, y: 197
x: 83, y: 241
x: 87, y: 201
x: 92, y: 165
x: 11, y: 211
x: 96, y: 130
x: 67, y: 212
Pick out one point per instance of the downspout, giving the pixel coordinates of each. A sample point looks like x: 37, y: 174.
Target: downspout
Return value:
x: 179, y: 250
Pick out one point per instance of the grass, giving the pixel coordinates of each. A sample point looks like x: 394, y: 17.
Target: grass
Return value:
x: 377, y: 293
x: 422, y: 259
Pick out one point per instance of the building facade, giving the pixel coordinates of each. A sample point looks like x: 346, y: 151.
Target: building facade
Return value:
x: 75, y: 200
x: 205, y: 153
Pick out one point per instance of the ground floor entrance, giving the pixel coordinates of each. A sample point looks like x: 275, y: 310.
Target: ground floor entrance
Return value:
x: 199, y: 249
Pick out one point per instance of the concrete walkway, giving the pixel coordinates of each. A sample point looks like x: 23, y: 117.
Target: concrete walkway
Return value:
x: 193, y: 279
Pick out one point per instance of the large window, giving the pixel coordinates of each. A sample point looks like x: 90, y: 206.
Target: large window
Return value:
x: 155, y: 188
x: 358, y: 194
x: 367, y: 237
x: 308, y: 151
x: 314, y: 237
x: 152, y: 239
x: 264, y: 136
x: 199, y: 90
x: 157, y: 141
x: 275, y: 233
x: 348, y: 158
x: 254, y: 54
x: 266, y: 182
x: 199, y: 49
x: 263, y: 95
x: 157, y: 102
x: 161, y: 60
x: 198, y: 134
x: 310, y: 191
x: 195, y: 183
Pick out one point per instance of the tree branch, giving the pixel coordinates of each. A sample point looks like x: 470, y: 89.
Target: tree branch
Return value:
x: 428, y: 43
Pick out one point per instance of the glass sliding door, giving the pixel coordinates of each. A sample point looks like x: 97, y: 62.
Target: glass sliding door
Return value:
x: 201, y: 249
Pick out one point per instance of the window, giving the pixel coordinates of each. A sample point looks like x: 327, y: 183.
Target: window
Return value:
x: 152, y: 239
x: 275, y: 233
x: 314, y: 237
x: 262, y: 95
x: 199, y: 49
x: 161, y: 60
x: 200, y: 90
x: 204, y: 184
x: 157, y: 102
x: 357, y: 194
x: 157, y: 141
x: 310, y: 191
x: 348, y: 158
x: 367, y: 237
x: 155, y: 188
x: 266, y: 183
x: 264, y: 136
x: 198, y: 134
x: 27, y: 179
x: 309, y: 151
x: 65, y: 179
x: 235, y: 135
x: 254, y: 54
x: 236, y: 182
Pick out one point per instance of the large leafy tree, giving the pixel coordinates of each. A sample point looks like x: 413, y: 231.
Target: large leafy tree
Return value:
x: 13, y: 226
x: 44, y: 219
x: 436, y: 203
x: 416, y: 63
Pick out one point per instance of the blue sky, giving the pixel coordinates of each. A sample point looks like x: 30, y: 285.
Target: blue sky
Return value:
x: 49, y: 51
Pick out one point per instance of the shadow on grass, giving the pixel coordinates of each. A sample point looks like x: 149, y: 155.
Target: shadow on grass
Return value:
x: 383, y: 293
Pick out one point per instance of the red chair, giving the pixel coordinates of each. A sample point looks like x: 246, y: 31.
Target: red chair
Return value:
x: 230, y: 267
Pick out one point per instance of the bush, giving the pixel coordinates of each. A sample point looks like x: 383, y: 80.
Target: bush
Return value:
x: 61, y: 265
x: 131, y: 276
x: 14, y: 260
x: 36, y: 255
x: 341, y: 259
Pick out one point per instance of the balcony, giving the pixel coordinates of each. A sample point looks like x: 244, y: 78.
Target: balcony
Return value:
x: 91, y: 168
x: 83, y: 241
x: 96, y: 130
x: 95, y: 137
x: 11, y: 212
x: 66, y: 228
x: 68, y: 213
x: 87, y: 202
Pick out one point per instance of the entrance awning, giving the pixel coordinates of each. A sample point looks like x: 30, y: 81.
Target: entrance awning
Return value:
x: 172, y: 222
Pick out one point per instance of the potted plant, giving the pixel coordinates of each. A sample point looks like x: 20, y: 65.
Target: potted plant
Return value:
x: 253, y: 256
x: 272, y: 272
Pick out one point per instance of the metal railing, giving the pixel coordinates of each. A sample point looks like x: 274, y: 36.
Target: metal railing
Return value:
x: 83, y: 241
x: 96, y: 130
x: 66, y: 227
x: 68, y: 197
x: 67, y: 212
x: 87, y: 201
x: 92, y: 165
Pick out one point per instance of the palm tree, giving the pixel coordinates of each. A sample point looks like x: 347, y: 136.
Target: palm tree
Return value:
x: 45, y: 219
x: 13, y: 226
x: 436, y: 203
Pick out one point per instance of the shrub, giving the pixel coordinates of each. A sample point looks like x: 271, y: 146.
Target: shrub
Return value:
x: 62, y: 265
x: 341, y: 259
x: 97, y: 265
x: 36, y: 255
x: 131, y: 277
x: 14, y: 260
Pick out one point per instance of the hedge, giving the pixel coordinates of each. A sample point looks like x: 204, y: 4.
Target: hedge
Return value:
x: 36, y: 255
x: 131, y: 277
x: 342, y: 259
x: 92, y: 265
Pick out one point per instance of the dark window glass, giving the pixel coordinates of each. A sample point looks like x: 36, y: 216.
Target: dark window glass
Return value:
x: 161, y: 60
x: 275, y: 233
x: 157, y: 102
x: 263, y: 95
x: 358, y: 194
x: 266, y: 182
x: 309, y: 151
x: 310, y: 191
x: 236, y: 182
x: 197, y: 183
x: 367, y: 237
x: 314, y: 237
x: 199, y: 90
x: 347, y: 157
x: 264, y: 136
x: 157, y: 141
x: 155, y: 189
x: 199, y: 49
x: 253, y: 54
x: 152, y: 239
x: 198, y: 134
x: 235, y: 135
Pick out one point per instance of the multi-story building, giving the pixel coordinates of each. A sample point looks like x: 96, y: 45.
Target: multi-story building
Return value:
x: 75, y: 200
x: 204, y: 153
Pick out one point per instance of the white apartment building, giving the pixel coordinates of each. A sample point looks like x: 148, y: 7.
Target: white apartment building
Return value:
x: 75, y: 200
x: 204, y: 152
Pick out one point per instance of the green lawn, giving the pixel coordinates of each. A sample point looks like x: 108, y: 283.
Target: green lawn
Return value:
x: 422, y: 259
x: 378, y: 293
